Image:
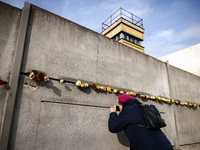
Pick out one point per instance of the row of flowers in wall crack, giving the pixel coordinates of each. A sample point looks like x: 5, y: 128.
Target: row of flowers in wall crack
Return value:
x: 143, y: 96
x: 39, y: 76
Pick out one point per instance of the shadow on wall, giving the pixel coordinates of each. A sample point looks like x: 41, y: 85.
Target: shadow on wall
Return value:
x: 123, y: 139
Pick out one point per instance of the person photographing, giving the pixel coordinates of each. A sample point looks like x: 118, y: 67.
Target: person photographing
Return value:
x: 131, y: 120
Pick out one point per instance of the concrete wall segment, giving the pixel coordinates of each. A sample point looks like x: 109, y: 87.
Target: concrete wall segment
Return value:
x: 80, y: 55
x: 46, y: 112
x: 9, y: 22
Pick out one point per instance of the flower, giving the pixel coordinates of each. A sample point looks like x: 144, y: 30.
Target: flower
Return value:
x: 31, y: 75
x: 108, y: 89
x: 121, y: 92
x: 93, y: 85
x: 84, y: 84
x: 128, y: 93
x: 39, y: 75
x: 1, y: 82
x: 101, y: 87
x: 131, y: 93
x: 104, y: 88
x: 115, y: 90
x: 159, y: 98
x: 46, y: 78
x: 153, y: 97
x: 61, y: 80
x: 78, y: 83
x: 98, y: 87
x: 177, y: 102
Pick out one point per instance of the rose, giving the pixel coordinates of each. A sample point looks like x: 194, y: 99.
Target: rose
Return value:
x: 39, y: 75
x: 98, y: 87
x: 93, y: 85
x: 101, y: 87
x: 104, y: 88
x: 82, y: 85
x: 115, y: 90
x: 86, y: 85
x: 131, y: 93
x: 128, y: 93
x: 46, y: 78
x: 121, y: 92
x: 1, y: 82
x: 78, y: 83
x: 31, y: 75
x: 108, y: 89
x: 61, y: 81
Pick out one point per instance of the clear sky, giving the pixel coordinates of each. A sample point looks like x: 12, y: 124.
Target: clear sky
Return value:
x: 170, y: 25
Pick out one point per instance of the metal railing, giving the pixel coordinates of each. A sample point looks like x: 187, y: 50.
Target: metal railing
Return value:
x: 122, y: 13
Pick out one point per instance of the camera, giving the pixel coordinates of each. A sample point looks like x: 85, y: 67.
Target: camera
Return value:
x: 117, y: 108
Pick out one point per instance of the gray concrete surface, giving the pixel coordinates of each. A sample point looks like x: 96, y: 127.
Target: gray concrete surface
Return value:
x: 62, y: 116
x: 9, y: 22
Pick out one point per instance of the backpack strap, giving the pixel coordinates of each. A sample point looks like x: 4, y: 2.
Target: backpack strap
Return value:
x: 138, y: 125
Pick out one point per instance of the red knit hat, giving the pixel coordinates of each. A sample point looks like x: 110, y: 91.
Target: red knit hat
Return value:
x: 123, y: 98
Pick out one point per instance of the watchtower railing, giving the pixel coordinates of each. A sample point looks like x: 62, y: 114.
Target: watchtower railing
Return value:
x: 122, y: 13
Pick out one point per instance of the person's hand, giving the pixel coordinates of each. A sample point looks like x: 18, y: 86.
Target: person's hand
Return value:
x: 113, y: 109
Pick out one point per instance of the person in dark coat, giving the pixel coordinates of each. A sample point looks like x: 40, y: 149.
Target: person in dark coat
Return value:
x: 140, y: 138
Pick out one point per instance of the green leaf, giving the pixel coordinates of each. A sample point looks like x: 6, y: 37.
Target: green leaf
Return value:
x: 35, y: 72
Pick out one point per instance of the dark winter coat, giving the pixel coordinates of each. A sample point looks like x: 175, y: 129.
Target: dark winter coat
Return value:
x: 140, y: 138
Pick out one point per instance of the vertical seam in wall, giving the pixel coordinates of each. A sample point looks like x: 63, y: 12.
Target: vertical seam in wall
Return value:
x: 97, y: 58
x: 14, y: 78
x: 174, y: 112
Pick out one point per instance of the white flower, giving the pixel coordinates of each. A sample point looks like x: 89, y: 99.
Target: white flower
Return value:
x: 78, y: 83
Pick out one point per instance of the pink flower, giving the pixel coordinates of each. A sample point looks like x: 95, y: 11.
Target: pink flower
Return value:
x: 46, y: 78
x: 31, y: 75
x: 104, y: 88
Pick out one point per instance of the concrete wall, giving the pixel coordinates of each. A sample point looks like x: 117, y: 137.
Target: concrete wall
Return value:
x: 9, y: 26
x: 61, y: 116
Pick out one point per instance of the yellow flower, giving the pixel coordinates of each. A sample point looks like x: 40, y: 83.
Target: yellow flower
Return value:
x: 190, y: 104
x: 82, y: 85
x: 195, y: 105
x: 131, y: 93
x: 61, y: 81
x: 108, y: 89
x: 158, y: 98
x: 78, y: 83
x: 115, y: 90
x: 98, y: 87
x: 121, y: 92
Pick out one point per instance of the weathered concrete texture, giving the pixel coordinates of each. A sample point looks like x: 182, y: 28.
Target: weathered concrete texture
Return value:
x: 9, y: 21
x: 69, y: 50
x: 189, y: 147
x: 185, y: 87
x: 75, y: 127
x: 62, y: 116
x: 62, y: 121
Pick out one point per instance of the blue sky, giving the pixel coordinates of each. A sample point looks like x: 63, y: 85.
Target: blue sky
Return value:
x: 170, y: 25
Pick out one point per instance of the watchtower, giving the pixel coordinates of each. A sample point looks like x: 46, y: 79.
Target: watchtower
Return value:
x: 125, y: 28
